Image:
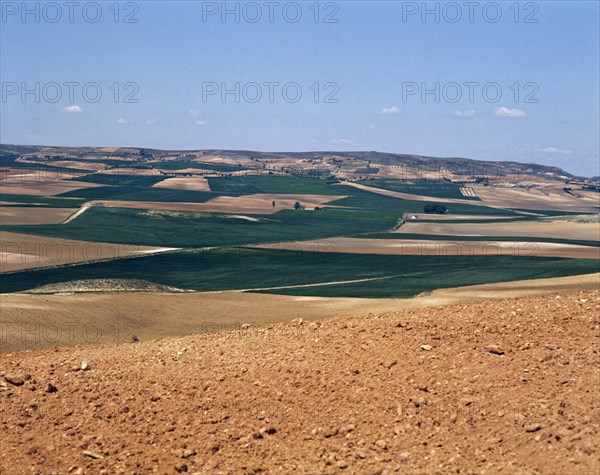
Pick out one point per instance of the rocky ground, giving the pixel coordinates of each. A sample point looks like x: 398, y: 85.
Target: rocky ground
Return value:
x: 104, y: 285
x: 508, y: 386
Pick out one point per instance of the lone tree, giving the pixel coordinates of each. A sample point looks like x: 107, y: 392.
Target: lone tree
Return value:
x: 297, y: 205
x: 435, y: 209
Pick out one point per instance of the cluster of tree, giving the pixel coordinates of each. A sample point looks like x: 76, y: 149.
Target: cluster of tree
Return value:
x: 435, y: 209
x: 298, y: 205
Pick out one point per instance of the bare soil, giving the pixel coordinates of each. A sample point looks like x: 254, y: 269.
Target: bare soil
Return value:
x: 113, y: 311
x: 502, y: 387
x: 546, y: 229
x: 32, y: 215
x: 543, y: 196
x: 36, y: 185
x: 28, y: 251
x: 550, y: 196
x: 251, y: 204
x: 196, y: 183
x: 421, y: 247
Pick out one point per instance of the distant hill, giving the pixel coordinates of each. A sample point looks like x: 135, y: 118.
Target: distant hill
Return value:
x: 455, y: 165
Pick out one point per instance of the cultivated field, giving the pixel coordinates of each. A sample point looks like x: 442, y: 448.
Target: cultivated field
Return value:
x: 550, y: 197
x: 34, y: 185
x: 249, y: 204
x: 63, y: 318
x: 455, y: 217
x: 184, y: 183
x: 301, y: 225
x: 547, y: 229
x: 32, y: 215
x: 408, y: 391
x: 24, y: 251
x: 126, y: 171
x: 264, y: 300
x: 74, y: 164
x: 424, y: 247
x: 410, y: 196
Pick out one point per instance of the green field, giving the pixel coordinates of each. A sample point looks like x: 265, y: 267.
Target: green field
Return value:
x: 45, y: 170
x: 250, y: 184
x: 181, y: 229
x: 441, y: 237
x: 217, y: 167
x: 140, y: 193
x: 121, y: 180
x: 229, y: 266
x: 361, y: 213
x: 435, y: 188
x: 374, y: 201
x: 29, y: 200
x: 237, y: 269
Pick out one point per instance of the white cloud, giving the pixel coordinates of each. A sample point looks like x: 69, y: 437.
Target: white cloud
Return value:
x: 341, y: 141
x: 505, y: 112
x: 550, y: 150
x: 390, y: 110
x: 201, y: 122
x: 556, y: 150
x: 72, y: 109
x: 194, y: 113
x: 468, y: 113
x: 149, y: 122
x: 122, y: 121
x: 372, y: 127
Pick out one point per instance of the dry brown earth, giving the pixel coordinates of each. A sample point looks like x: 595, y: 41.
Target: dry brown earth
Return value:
x: 65, y: 318
x: 184, y: 183
x: 502, y: 387
x: 251, y: 204
x: 549, y: 197
x: 80, y: 165
x: 421, y: 247
x: 546, y: 229
x: 32, y: 215
x: 37, y: 185
x: 28, y: 251
x: 543, y: 197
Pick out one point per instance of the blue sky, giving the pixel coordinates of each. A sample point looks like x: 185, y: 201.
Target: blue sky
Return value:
x: 546, y: 74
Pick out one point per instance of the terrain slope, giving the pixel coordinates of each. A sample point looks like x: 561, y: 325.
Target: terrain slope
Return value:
x: 504, y: 386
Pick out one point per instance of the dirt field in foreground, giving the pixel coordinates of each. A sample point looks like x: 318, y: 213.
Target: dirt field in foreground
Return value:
x: 502, y: 387
x: 29, y: 321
